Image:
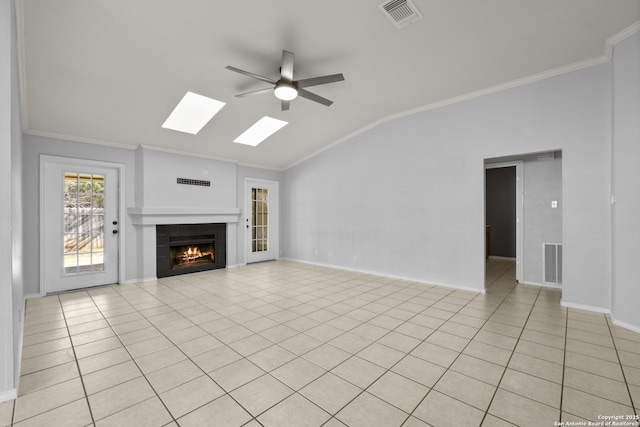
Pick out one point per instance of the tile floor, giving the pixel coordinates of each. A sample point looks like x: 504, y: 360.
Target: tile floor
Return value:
x: 281, y: 344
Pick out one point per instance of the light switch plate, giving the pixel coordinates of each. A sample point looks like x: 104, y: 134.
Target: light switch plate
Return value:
x: 554, y: 204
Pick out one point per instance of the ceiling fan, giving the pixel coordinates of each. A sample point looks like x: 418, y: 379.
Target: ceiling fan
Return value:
x: 286, y: 89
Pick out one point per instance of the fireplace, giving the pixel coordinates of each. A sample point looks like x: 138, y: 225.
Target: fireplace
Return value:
x: 189, y: 248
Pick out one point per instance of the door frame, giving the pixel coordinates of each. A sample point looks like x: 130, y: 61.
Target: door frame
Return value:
x: 46, y: 159
x: 274, y: 227
x: 519, y: 211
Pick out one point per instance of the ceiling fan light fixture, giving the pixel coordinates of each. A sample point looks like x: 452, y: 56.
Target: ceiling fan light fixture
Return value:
x: 285, y: 91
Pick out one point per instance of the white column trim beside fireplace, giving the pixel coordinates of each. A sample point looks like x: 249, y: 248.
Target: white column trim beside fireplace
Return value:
x: 145, y: 220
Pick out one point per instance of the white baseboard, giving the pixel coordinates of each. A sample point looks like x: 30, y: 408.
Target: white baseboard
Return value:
x: 9, y: 395
x: 625, y: 325
x: 20, y: 341
x: 585, y: 307
x: 30, y: 296
x: 543, y: 285
x: 391, y: 276
x: 235, y: 265
x: 501, y: 258
x: 145, y: 279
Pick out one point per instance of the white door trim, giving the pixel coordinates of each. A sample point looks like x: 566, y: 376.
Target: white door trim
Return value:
x: 519, y: 212
x: 274, y: 231
x: 119, y: 167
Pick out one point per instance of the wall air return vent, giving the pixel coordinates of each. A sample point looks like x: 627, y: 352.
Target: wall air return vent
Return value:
x: 547, y: 156
x: 400, y: 12
x: 552, y: 263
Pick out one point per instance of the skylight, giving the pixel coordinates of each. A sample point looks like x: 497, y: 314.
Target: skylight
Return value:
x: 261, y: 130
x: 192, y: 113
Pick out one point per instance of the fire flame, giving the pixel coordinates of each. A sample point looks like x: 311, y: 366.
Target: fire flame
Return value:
x: 194, y: 253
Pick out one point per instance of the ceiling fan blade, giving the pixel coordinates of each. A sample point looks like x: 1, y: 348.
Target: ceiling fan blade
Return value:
x: 247, y: 73
x: 313, y: 97
x: 314, y: 81
x: 255, y: 92
x: 286, y: 70
x: 285, y: 105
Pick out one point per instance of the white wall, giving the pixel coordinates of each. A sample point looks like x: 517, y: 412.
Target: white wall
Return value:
x: 160, y: 189
x: 406, y: 198
x: 7, y: 384
x: 33, y: 147
x: 18, y: 253
x: 542, y: 224
x: 256, y: 173
x: 150, y: 182
x: 157, y: 187
x: 11, y: 224
x: 626, y: 178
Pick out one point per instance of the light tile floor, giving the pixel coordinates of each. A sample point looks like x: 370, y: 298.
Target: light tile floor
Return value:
x: 286, y: 344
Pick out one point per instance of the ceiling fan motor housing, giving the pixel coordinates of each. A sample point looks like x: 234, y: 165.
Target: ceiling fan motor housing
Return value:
x: 286, y: 90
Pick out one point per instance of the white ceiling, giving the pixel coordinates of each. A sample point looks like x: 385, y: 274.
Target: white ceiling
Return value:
x: 111, y: 71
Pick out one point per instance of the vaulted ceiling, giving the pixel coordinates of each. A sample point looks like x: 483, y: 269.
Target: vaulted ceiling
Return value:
x: 111, y: 71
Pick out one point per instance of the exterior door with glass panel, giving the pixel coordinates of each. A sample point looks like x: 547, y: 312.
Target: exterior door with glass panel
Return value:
x: 261, y: 220
x: 80, y: 225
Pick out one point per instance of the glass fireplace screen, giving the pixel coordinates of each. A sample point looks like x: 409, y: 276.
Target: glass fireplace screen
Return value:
x: 191, y: 255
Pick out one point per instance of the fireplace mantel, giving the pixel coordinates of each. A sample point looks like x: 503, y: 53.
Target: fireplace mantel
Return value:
x: 160, y: 216
x: 145, y: 220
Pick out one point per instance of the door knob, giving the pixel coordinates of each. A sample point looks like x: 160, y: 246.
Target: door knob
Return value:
x: 115, y: 231
x: 115, y: 222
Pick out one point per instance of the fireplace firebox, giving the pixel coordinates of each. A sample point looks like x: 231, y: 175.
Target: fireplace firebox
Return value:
x: 189, y: 248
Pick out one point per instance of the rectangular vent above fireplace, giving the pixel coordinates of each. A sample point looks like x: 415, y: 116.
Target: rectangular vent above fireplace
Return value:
x: 189, y: 248
x: 199, y: 182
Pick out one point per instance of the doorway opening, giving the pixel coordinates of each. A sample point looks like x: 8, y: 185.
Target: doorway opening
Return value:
x: 262, y: 224
x: 504, y: 220
x: 80, y: 211
x: 537, y: 195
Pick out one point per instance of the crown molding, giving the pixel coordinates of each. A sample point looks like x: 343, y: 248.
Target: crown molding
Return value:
x: 619, y: 37
x: 605, y: 57
x: 85, y: 140
x: 189, y: 154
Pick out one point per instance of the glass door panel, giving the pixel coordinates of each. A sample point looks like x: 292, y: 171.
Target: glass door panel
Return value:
x: 83, y: 216
x: 259, y: 219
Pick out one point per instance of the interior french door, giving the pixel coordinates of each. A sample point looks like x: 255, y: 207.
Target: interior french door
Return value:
x: 261, y: 220
x: 79, y: 215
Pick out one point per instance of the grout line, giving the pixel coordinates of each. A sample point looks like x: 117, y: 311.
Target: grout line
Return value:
x: 284, y: 292
x: 461, y: 351
x: 564, y: 361
x: 178, y: 348
x: 506, y: 366
x: 132, y: 359
x: 386, y: 370
x: 633, y: 406
x: 75, y: 358
x: 443, y: 296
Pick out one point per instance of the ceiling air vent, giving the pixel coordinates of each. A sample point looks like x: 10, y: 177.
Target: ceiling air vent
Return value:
x: 400, y: 12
